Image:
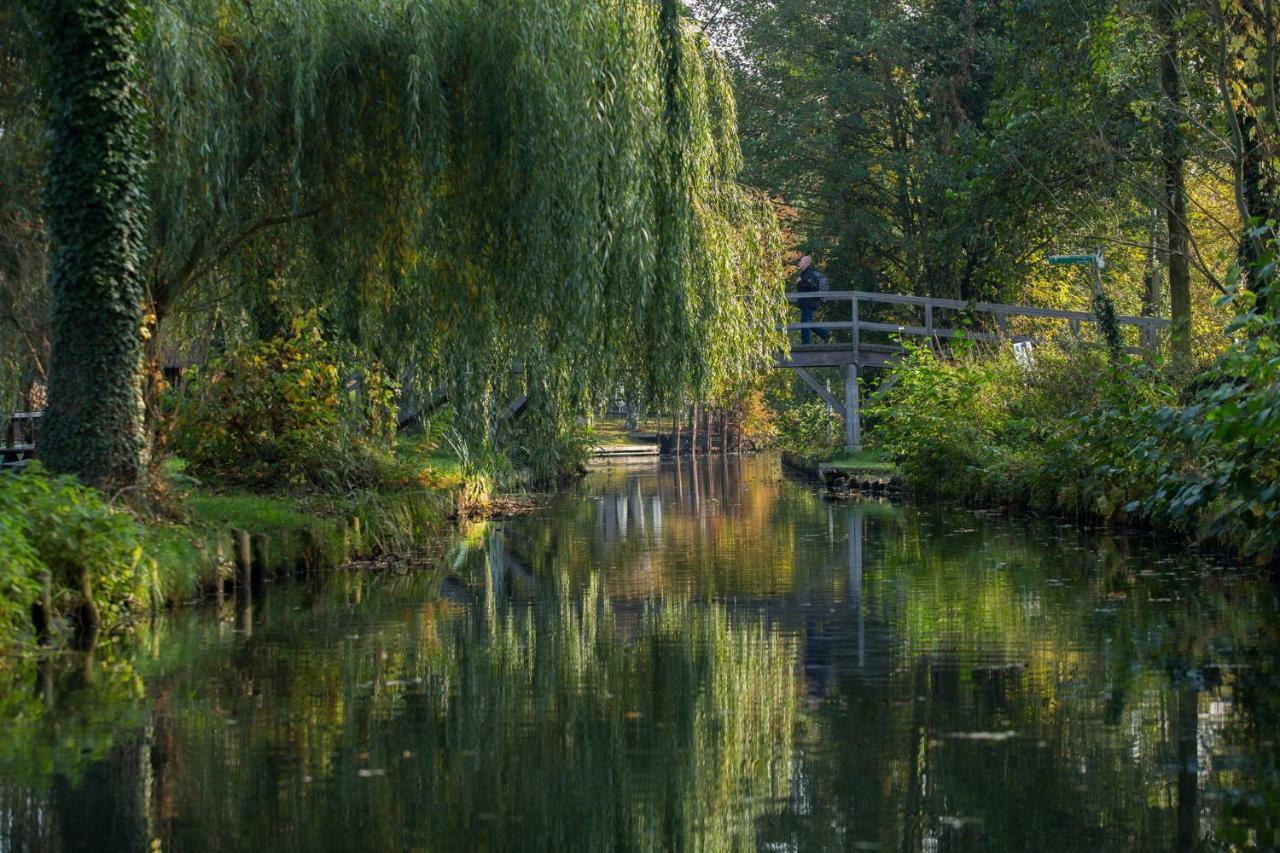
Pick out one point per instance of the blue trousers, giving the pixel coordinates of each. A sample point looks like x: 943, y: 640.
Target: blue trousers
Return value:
x: 807, y: 307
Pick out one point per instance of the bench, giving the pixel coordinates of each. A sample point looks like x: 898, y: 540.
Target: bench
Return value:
x: 20, y: 433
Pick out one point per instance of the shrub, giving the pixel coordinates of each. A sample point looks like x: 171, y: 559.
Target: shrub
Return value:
x: 1212, y: 466
x: 1122, y: 440
x: 809, y: 427
x: 19, y: 566
x: 946, y: 422
x: 295, y: 409
x: 58, y: 526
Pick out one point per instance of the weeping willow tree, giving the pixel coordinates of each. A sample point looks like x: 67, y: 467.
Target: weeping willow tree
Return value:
x: 536, y: 198
x: 528, y: 196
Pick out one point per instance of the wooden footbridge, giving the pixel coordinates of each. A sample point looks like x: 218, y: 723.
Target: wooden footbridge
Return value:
x: 859, y: 344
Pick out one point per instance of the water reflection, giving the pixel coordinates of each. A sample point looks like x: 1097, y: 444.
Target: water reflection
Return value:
x: 703, y: 655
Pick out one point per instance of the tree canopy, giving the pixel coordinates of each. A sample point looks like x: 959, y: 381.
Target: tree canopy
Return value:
x: 944, y: 148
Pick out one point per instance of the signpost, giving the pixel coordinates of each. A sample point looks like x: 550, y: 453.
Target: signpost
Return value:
x: 1095, y: 260
x: 1103, y: 308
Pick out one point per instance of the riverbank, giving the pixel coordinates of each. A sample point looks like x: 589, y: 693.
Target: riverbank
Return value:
x: 228, y: 540
x: 80, y: 563
x: 1190, y: 453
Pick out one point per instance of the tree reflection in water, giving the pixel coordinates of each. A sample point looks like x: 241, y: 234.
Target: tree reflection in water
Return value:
x: 700, y: 656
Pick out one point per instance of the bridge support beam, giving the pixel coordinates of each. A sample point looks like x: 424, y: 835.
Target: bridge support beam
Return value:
x: 836, y: 405
x: 852, y: 410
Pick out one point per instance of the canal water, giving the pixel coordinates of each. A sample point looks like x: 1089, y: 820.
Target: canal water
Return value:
x: 702, y: 656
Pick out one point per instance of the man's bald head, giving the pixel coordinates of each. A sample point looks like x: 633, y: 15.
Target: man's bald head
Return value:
x: 805, y: 263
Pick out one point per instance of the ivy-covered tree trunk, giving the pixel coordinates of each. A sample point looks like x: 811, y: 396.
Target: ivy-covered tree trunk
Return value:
x: 96, y: 214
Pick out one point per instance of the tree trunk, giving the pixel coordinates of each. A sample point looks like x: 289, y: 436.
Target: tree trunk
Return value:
x: 693, y: 431
x: 87, y: 618
x: 96, y: 213
x: 1262, y: 200
x: 1172, y: 157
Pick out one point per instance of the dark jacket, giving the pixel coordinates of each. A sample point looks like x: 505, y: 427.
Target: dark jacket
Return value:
x: 808, y: 283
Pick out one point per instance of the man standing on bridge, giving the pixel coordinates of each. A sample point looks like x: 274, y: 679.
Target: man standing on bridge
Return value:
x: 810, y: 281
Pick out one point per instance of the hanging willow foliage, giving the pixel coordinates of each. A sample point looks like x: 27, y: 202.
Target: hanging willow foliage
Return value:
x: 506, y: 197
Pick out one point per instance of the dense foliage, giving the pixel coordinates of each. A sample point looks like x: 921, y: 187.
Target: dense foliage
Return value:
x: 943, y: 148
x: 58, y: 528
x: 288, y: 410
x: 1078, y: 432
x: 808, y: 427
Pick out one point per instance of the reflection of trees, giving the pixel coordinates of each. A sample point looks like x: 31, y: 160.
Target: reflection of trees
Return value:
x: 714, y: 526
x: 63, y: 719
x: 965, y: 685
x: 1079, y: 713
x: 564, y: 723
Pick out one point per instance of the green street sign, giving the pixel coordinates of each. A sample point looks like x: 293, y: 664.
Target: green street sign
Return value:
x: 1077, y: 260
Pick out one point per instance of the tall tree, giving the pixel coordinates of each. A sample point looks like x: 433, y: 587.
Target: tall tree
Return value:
x: 96, y: 216
x: 1249, y: 79
x: 1173, y: 162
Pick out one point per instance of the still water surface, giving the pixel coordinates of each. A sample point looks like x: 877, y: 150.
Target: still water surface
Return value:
x: 706, y: 656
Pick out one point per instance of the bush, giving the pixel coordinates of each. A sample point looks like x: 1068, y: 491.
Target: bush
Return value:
x: 808, y: 428
x: 1121, y: 441
x: 19, y: 567
x: 957, y: 428
x: 1209, y: 467
x: 58, y: 526
x: 295, y: 409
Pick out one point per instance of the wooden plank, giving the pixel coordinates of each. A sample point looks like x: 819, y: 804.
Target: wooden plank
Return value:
x: 887, y: 383
x: 869, y: 355
x: 856, y: 328
x: 922, y: 331
x: 820, y: 390
x: 625, y: 450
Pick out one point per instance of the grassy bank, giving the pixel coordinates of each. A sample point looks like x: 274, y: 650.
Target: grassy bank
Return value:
x: 814, y: 460
x: 71, y: 552
x: 286, y: 536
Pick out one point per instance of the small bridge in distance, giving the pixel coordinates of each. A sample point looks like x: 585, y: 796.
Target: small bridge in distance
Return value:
x: 872, y: 345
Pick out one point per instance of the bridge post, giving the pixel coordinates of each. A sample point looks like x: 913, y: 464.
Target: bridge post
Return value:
x: 857, y: 338
x: 852, y: 416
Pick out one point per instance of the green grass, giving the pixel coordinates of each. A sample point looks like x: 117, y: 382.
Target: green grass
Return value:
x: 869, y: 461
x: 249, y: 512
x: 613, y: 432
x: 609, y: 433
x: 183, y: 561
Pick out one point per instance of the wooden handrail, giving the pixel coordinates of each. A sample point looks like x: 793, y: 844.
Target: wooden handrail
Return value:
x: 999, y: 309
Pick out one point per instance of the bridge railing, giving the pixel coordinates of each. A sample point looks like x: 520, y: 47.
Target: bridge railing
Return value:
x: 1148, y: 328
